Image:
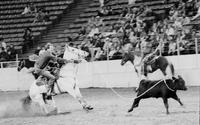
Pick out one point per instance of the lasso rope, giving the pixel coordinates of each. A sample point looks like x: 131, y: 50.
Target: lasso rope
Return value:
x: 126, y: 98
x: 168, y: 86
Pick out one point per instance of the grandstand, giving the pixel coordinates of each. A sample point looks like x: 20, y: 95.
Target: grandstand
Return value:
x: 66, y: 19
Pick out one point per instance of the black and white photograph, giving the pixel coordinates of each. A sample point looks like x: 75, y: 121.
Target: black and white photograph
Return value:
x: 99, y: 62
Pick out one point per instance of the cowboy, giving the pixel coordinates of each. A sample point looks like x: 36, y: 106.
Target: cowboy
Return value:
x: 43, y: 61
x: 148, y: 54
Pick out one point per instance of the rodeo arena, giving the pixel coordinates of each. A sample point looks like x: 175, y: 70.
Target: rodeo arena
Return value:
x: 99, y: 62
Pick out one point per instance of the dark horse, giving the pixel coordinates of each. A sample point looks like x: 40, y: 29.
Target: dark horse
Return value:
x: 159, y: 62
x: 26, y: 63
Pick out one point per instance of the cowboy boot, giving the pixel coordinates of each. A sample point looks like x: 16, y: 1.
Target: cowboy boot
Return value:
x: 52, y: 90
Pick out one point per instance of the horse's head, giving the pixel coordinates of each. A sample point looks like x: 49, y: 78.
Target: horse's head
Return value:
x: 127, y: 56
x: 179, y: 83
x: 72, y: 53
x: 21, y: 65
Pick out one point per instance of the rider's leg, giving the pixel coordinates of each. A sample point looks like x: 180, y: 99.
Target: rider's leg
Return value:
x: 51, y: 79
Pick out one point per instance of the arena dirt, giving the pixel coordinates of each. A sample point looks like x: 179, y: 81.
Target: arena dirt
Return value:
x: 109, y: 109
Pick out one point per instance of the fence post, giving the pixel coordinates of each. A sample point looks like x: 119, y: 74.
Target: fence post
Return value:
x: 196, y: 45
x: 178, y: 47
x: 1, y: 64
x: 107, y: 52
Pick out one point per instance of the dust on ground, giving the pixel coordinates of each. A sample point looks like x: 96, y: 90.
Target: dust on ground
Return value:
x: 109, y: 109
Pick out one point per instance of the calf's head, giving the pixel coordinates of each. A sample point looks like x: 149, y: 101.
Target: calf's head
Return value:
x: 179, y: 83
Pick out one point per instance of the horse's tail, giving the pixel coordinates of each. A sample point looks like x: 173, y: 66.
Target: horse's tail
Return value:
x: 172, y: 69
x: 26, y: 101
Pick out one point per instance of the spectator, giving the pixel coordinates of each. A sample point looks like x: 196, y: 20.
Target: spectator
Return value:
x: 46, y: 17
x: 39, y: 16
x: 28, y: 39
x: 124, y: 11
x: 172, y: 46
x: 131, y: 2
x: 101, y: 3
x: 42, y: 50
x: 3, y: 55
x: 190, y: 8
x: 4, y: 45
x: 83, y: 31
x: 11, y: 52
x: 102, y: 11
x: 94, y: 30
x: 32, y: 7
x: 37, y: 51
x: 27, y: 10
x: 186, y: 20
x: 99, y: 22
x: 198, y: 13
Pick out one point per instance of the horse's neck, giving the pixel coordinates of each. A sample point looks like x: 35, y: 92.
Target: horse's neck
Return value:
x: 28, y: 64
x: 137, y: 59
x: 70, y: 56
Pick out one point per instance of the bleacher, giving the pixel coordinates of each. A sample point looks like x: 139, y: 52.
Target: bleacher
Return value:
x: 157, y: 6
x: 13, y: 23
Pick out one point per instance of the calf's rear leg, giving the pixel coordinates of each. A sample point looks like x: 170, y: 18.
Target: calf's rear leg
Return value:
x: 134, y: 105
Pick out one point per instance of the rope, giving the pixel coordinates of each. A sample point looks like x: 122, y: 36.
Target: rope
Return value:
x: 168, y: 86
x: 122, y: 97
x: 126, y: 98
x: 149, y: 89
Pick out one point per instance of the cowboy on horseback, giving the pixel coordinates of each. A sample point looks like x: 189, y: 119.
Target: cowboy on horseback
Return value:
x: 148, y: 54
x: 41, y: 63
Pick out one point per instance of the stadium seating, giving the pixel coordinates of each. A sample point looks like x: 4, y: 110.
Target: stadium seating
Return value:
x: 13, y: 23
x: 156, y: 5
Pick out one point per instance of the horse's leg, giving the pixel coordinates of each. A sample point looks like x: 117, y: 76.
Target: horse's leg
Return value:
x: 53, y: 104
x: 39, y: 99
x: 79, y: 97
x: 70, y: 85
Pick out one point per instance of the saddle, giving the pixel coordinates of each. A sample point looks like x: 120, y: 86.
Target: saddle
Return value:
x: 150, y: 59
x: 41, y: 80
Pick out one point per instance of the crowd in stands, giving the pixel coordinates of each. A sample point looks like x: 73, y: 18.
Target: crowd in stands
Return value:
x: 40, y: 15
x: 7, y: 52
x: 134, y: 30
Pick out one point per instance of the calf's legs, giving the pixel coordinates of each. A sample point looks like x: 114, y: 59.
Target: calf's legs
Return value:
x: 175, y: 97
x: 165, y: 100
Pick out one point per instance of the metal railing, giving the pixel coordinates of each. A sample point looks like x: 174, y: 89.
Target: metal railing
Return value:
x: 10, y: 64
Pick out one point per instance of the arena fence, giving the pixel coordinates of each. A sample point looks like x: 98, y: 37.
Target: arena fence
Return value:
x: 10, y: 64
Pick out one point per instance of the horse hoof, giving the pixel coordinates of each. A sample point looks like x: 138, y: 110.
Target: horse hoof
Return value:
x: 87, y: 108
x: 53, y: 112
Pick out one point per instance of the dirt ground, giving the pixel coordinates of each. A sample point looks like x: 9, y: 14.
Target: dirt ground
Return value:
x: 109, y: 109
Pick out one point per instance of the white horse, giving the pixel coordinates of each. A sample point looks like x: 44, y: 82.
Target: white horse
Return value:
x: 66, y: 83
